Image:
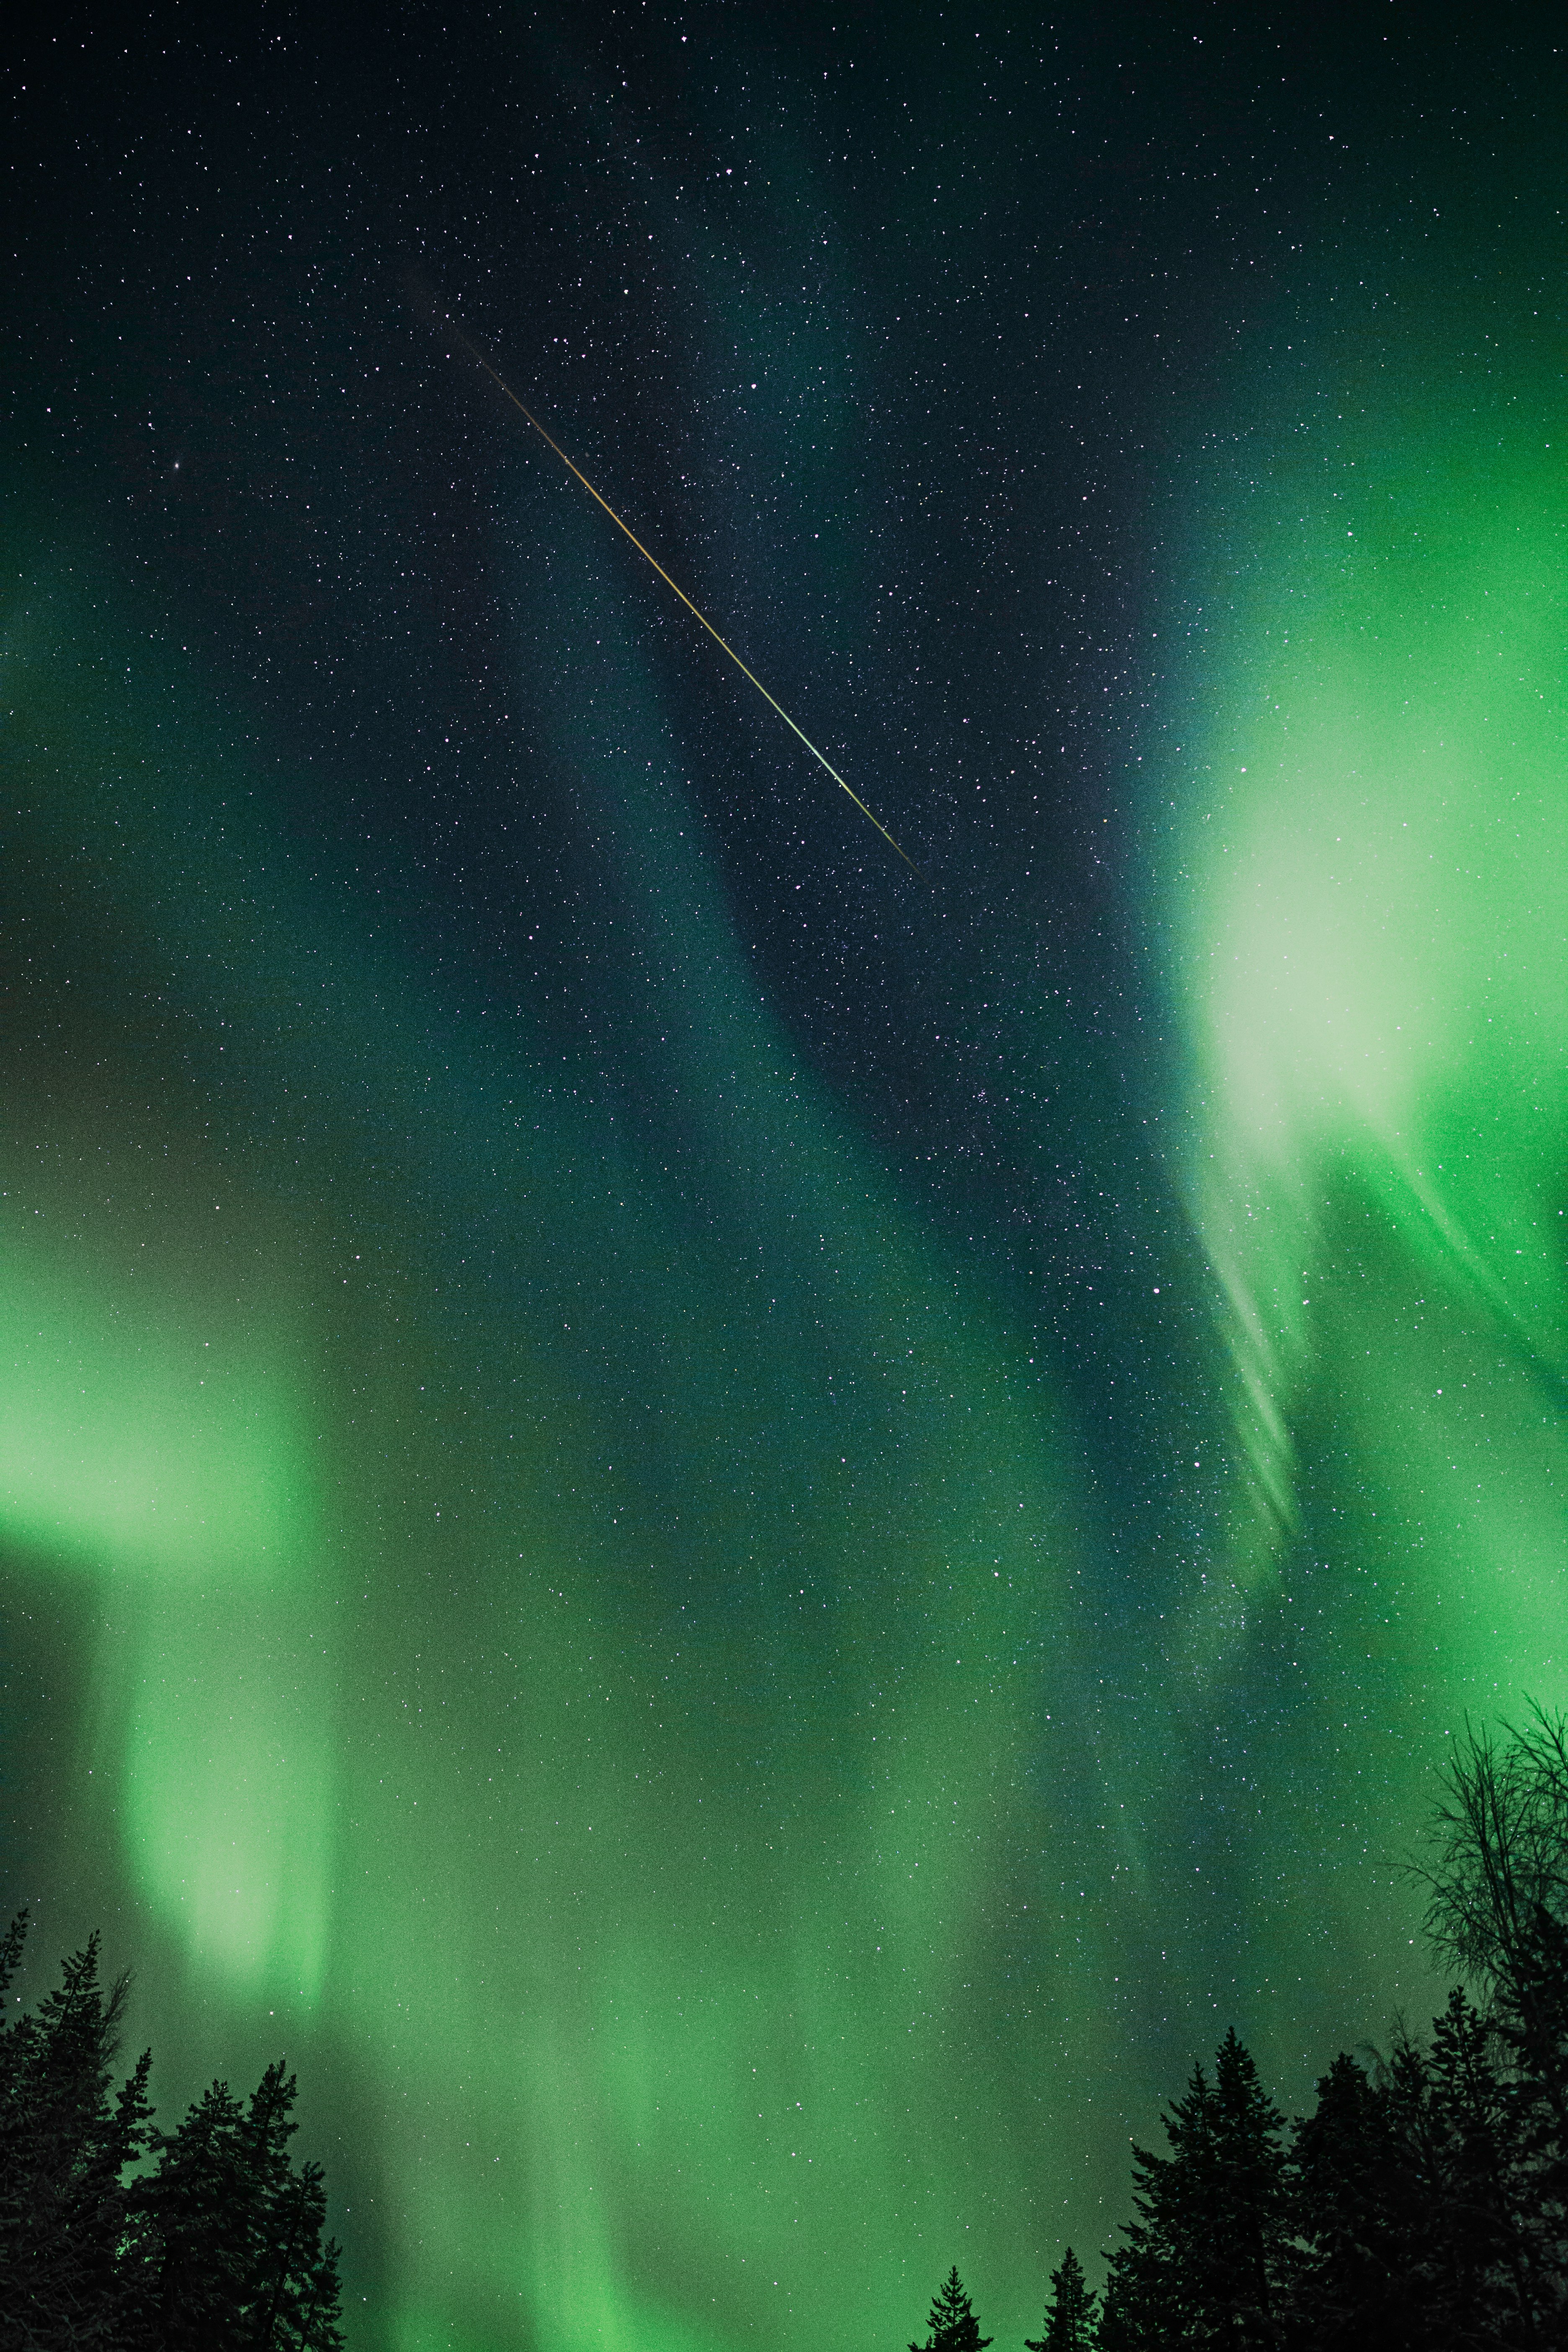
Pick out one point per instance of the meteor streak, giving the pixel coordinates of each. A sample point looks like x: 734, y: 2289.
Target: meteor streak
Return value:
x: 495, y: 376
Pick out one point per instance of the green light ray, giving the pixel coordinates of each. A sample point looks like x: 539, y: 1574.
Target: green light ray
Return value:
x: 1371, y: 856
x: 160, y: 1444
x: 458, y: 1787
x: 154, y: 1439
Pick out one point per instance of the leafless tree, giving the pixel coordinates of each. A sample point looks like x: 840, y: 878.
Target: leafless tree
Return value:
x: 1496, y: 1875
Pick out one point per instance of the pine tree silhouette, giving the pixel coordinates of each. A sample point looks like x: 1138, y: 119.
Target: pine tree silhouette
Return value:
x: 1352, y: 2284
x: 1531, y: 2031
x: 1208, y: 2258
x: 953, y: 2323
x: 1069, y: 2317
x: 218, y: 2249
x: 1121, y: 2307
x: 1497, y: 1879
x: 1457, y: 2115
x: 232, y: 2238
x: 64, y: 2145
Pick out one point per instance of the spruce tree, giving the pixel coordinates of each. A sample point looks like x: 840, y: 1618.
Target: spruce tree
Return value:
x: 65, y: 2145
x: 1123, y: 2315
x: 1497, y: 1880
x: 1532, y: 2037
x: 1358, y: 2213
x: 219, y: 2248
x: 1479, y: 2262
x: 1208, y: 2258
x: 952, y: 2324
x: 1069, y: 2315
x: 231, y: 2241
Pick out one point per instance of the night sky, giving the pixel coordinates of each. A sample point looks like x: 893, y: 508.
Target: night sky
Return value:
x: 742, y: 1542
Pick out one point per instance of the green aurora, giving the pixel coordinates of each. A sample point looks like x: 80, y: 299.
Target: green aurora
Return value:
x: 1372, y: 839
x: 589, y: 1628
x: 371, y: 1700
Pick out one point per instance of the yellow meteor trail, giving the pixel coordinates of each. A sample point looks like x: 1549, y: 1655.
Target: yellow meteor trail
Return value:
x: 497, y: 378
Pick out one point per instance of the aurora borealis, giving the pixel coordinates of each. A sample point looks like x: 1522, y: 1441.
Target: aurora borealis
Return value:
x: 742, y: 1545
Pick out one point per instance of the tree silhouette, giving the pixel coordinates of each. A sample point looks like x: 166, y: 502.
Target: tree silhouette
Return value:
x: 65, y: 2144
x: 1358, y: 2213
x: 1421, y: 2206
x: 1207, y: 2259
x: 1424, y: 2204
x: 232, y: 2236
x: 1069, y: 2317
x: 953, y: 2323
x: 1497, y: 1882
x: 219, y: 2248
x: 1497, y: 1889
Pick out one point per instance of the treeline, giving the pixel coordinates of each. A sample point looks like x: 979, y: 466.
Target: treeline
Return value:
x: 1422, y: 2206
x: 118, y: 2236
x: 1424, y: 2201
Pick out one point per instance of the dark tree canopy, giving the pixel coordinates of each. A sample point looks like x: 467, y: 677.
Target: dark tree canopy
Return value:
x: 66, y: 2139
x: 1423, y: 2205
x: 233, y: 2249
x: 953, y: 2323
x: 1356, y: 2208
x: 1208, y: 2254
x: 216, y: 2247
x: 1069, y: 2315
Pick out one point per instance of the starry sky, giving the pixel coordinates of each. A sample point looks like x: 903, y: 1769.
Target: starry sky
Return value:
x: 744, y: 1542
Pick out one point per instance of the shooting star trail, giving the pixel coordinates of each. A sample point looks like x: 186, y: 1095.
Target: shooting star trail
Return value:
x: 497, y: 378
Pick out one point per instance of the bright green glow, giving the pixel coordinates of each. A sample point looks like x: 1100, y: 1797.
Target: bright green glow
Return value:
x: 601, y: 1657
x: 1373, y: 854
x: 133, y: 1435
x: 156, y: 1440
x: 229, y: 1789
x: 660, y: 1818
x: 152, y: 1431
